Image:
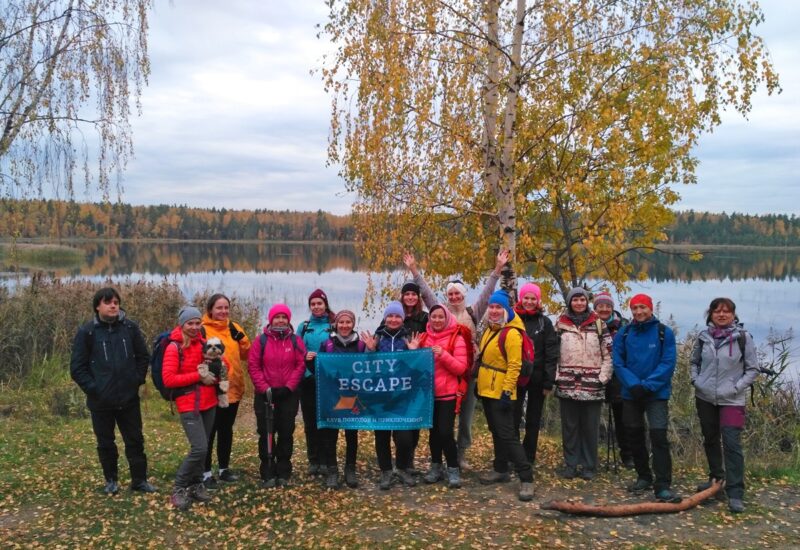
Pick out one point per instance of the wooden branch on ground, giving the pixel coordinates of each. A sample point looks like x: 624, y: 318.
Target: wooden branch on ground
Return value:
x: 640, y: 508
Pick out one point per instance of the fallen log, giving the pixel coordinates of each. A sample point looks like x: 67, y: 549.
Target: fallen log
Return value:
x: 634, y: 509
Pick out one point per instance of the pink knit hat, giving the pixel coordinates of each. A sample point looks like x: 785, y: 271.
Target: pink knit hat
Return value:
x: 279, y: 308
x: 527, y: 288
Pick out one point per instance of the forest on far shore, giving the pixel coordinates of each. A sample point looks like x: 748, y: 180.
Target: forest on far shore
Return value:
x: 70, y: 219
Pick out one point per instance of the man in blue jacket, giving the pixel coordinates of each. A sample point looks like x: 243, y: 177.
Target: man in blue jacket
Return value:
x: 644, y: 362
x: 109, y: 363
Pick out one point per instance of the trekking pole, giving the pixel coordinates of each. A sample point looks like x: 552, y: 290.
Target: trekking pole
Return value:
x: 270, y: 418
x: 612, y: 438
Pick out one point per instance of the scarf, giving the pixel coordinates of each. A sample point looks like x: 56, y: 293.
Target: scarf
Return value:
x: 348, y: 340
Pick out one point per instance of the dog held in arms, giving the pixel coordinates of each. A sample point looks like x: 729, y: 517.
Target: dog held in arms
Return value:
x: 213, y: 362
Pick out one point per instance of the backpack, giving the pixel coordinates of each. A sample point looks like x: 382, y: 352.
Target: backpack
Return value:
x: 526, y: 370
x: 464, y: 378
x: 157, y: 367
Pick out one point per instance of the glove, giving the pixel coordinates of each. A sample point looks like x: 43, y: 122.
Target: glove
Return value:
x: 280, y: 393
x: 638, y: 392
x: 505, y: 400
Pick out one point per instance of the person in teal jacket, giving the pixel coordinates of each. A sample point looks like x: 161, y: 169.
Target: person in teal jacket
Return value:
x: 644, y: 361
x: 314, y: 332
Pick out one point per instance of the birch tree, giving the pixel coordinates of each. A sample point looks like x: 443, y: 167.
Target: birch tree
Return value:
x: 71, y: 72
x: 558, y: 129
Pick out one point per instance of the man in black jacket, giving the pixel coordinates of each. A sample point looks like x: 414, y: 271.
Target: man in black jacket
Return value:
x: 109, y: 363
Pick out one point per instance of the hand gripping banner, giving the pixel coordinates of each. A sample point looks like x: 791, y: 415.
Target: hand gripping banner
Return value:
x: 375, y: 391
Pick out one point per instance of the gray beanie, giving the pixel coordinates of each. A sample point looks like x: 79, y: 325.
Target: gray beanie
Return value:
x: 577, y: 291
x: 188, y: 313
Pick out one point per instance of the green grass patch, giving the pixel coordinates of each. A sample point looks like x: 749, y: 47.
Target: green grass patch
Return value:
x: 40, y: 256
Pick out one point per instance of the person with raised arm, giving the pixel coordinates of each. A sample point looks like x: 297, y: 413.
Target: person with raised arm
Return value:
x: 468, y: 316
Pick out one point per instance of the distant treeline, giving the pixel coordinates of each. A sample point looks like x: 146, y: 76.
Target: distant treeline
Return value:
x: 69, y: 219
x: 737, y: 229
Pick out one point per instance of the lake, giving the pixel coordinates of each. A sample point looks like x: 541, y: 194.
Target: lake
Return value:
x: 763, y: 283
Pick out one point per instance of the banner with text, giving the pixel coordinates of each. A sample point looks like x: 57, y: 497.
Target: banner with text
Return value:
x: 375, y: 391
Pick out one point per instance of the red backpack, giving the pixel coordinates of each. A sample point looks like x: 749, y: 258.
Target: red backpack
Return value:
x: 463, y: 379
x: 526, y: 370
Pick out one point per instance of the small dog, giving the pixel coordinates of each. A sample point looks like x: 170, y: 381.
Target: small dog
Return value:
x: 212, y: 355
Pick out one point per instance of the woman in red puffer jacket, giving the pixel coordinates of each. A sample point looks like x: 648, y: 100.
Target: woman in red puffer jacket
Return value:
x: 449, y: 346
x: 197, y: 406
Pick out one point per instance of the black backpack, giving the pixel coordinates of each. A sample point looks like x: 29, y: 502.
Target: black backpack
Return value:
x: 157, y: 366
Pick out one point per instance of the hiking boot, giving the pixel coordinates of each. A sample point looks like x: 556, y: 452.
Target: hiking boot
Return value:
x: 210, y: 483
x: 736, y: 505
x: 407, y: 478
x: 111, y: 487
x: 628, y: 462
x: 385, y: 482
x: 526, y: 491
x: 282, y: 482
x: 666, y: 495
x: 143, y: 487
x: 228, y: 476
x: 199, y: 493
x: 587, y: 475
x: 332, y: 478
x: 640, y: 485
x: 268, y: 483
x: 180, y: 498
x: 567, y: 472
x: 350, y: 478
x: 316, y: 470
x: 434, y: 474
x: 453, y: 478
x: 495, y: 477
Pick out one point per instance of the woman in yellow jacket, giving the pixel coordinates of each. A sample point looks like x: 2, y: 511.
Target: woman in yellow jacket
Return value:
x: 217, y: 323
x: 498, y: 371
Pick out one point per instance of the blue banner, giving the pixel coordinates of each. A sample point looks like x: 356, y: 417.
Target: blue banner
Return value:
x: 375, y: 391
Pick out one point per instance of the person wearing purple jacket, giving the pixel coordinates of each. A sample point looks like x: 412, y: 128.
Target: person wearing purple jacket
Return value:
x: 277, y: 362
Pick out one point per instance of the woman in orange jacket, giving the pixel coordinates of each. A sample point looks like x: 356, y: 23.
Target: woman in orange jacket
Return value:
x: 217, y: 324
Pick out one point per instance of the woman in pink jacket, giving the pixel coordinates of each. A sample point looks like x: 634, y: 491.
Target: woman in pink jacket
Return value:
x: 276, y: 363
x: 449, y: 347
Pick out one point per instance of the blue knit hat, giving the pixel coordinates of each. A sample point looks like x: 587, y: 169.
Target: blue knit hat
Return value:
x: 394, y: 308
x: 501, y: 298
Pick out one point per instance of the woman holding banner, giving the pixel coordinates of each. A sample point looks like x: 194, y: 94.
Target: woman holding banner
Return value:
x: 344, y: 339
x: 314, y: 332
x: 393, y: 336
x: 451, y: 344
x: 498, y: 370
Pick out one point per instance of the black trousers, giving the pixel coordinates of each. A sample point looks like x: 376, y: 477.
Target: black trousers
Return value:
x: 723, y: 446
x: 308, y: 404
x: 223, y: 429
x: 280, y: 463
x: 533, y: 418
x: 404, y: 448
x: 442, y: 437
x: 500, y: 418
x: 129, y: 421
x: 329, y: 438
x: 657, y: 413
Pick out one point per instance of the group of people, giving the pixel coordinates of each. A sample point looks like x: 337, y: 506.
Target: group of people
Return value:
x: 589, y: 355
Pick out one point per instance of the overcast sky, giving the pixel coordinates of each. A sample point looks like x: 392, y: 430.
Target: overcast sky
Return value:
x: 232, y: 116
